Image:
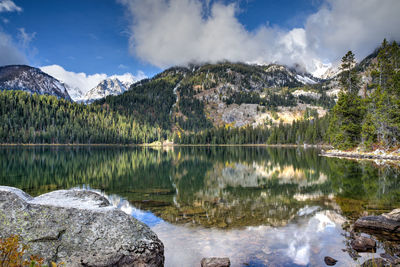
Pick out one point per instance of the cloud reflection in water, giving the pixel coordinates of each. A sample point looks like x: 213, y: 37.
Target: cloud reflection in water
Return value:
x: 305, y: 241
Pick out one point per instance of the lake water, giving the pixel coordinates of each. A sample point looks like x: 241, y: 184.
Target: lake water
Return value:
x: 258, y: 206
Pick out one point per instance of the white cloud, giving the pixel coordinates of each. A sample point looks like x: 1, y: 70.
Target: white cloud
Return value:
x: 358, y: 25
x: 85, y: 82
x: 176, y: 32
x: 76, y: 80
x: 9, y: 6
x: 25, y: 38
x: 129, y: 78
x: 9, y: 53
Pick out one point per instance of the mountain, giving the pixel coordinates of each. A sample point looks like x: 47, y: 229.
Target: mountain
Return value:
x: 212, y: 95
x: 32, y: 80
x: 75, y: 93
x: 110, y: 86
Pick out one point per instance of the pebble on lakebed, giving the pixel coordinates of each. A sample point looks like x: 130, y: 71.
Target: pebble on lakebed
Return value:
x: 79, y: 228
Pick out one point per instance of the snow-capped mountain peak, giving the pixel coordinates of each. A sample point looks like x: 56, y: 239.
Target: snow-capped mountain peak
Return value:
x: 110, y: 86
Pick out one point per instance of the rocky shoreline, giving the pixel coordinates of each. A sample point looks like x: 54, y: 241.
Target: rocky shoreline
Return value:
x: 78, y: 228
x: 376, y: 155
x: 385, y: 228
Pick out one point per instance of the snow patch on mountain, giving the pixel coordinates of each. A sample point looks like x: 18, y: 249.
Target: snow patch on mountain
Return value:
x: 75, y: 93
x: 305, y: 79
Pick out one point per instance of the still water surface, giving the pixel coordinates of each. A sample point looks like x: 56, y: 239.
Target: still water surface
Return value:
x: 258, y: 206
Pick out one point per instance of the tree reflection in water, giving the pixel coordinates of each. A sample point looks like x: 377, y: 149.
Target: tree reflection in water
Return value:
x: 228, y: 193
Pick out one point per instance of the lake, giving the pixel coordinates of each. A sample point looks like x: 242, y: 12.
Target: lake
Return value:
x: 259, y: 206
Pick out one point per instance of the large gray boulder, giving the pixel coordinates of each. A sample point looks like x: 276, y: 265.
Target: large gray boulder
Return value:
x: 79, y: 228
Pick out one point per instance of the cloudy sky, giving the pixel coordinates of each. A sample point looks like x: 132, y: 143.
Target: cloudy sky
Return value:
x: 89, y: 40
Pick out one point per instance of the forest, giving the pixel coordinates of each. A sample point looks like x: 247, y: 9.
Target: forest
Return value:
x: 43, y: 119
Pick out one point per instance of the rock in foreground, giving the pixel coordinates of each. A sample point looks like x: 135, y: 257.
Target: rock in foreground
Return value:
x: 387, y: 224
x: 79, y: 228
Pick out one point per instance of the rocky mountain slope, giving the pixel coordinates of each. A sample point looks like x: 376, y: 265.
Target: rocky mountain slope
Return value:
x: 32, y: 80
x: 234, y: 94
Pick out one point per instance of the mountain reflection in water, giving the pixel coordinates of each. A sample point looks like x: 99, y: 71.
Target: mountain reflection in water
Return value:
x: 257, y: 205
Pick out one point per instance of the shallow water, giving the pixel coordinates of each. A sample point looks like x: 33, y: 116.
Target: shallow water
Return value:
x: 258, y: 206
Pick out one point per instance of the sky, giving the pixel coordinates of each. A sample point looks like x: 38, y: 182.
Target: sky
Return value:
x: 82, y: 42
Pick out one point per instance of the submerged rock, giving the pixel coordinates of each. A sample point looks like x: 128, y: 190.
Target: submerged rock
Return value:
x: 329, y: 261
x: 78, y: 227
x: 387, y: 224
x: 215, y: 262
x: 363, y: 244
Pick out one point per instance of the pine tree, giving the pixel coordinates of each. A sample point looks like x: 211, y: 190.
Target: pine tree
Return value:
x: 345, y: 126
x: 349, y: 78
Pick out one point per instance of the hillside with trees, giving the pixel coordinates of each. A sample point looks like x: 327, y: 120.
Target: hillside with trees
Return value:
x: 366, y: 114
x: 196, y: 98
x: 44, y: 119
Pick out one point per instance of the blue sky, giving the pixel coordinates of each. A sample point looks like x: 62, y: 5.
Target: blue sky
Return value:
x: 99, y: 38
x: 91, y: 36
x: 80, y: 35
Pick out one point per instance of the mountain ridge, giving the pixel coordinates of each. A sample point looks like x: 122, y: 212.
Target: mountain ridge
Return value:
x: 32, y: 80
x: 211, y: 95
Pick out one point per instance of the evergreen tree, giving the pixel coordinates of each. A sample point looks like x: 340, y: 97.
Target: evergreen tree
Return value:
x: 349, y: 78
x: 345, y: 126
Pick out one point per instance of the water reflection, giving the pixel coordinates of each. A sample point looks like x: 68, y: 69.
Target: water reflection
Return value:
x: 257, y: 205
x: 227, y: 187
x: 305, y: 241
